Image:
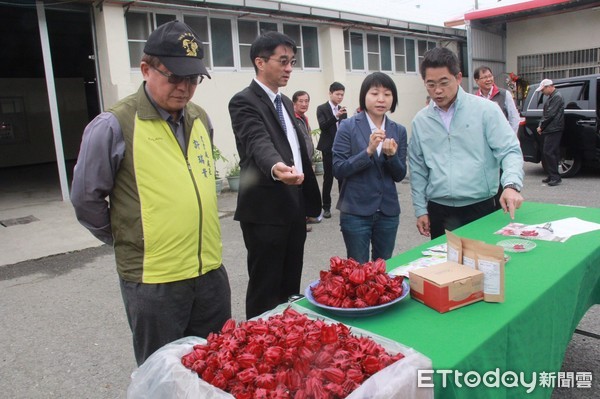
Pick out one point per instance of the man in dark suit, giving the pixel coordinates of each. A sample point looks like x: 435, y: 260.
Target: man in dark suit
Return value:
x: 329, y: 115
x: 278, y: 188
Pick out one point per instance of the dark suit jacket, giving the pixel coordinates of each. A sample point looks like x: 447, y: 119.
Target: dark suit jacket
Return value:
x: 369, y: 183
x: 262, y: 142
x: 328, y: 126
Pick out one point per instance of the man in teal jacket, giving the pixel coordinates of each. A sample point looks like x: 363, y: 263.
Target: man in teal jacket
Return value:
x: 458, y: 144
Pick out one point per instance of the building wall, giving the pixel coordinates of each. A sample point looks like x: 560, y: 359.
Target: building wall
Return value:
x: 487, y: 48
x: 113, y: 54
x: 570, y: 31
x: 118, y: 79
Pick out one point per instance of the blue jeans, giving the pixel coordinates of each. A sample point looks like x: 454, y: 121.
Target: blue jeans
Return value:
x: 378, y: 230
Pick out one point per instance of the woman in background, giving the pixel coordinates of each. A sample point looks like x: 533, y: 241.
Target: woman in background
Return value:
x: 369, y: 155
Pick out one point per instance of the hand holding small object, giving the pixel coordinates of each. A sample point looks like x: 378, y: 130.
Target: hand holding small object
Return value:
x: 288, y: 174
x: 376, y: 137
x: 389, y: 147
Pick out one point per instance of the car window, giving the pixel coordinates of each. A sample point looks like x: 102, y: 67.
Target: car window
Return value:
x: 536, y: 100
x: 576, y: 95
x: 574, y: 92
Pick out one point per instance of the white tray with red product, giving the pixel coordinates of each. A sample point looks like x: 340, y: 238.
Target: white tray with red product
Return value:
x: 164, y: 374
x: 516, y: 245
x: 356, y: 312
x: 352, y: 289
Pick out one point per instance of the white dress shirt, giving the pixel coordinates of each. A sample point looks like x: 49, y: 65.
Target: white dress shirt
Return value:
x: 290, y: 130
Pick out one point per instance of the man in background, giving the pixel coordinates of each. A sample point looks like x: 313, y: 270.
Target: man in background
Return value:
x: 301, y: 100
x: 484, y: 78
x: 329, y: 115
x: 551, y: 127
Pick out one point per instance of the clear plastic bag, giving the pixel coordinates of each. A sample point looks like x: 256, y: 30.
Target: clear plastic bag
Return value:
x: 163, y: 376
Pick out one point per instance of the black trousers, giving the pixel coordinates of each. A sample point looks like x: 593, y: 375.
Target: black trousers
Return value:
x: 442, y: 217
x: 162, y: 313
x: 328, y: 179
x: 275, y: 258
x: 551, y: 153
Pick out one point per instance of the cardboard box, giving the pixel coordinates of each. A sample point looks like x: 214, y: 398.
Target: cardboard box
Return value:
x: 446, y: 286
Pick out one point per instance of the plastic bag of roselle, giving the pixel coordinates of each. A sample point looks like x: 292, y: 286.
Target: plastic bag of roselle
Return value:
x: 164, y: 375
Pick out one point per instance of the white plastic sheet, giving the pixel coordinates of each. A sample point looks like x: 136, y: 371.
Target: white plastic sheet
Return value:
x: 163, y: 376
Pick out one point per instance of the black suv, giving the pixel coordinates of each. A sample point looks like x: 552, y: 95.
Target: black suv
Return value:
x: 580, y: 143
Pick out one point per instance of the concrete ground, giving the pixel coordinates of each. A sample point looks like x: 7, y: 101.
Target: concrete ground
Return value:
x: 64, y: 333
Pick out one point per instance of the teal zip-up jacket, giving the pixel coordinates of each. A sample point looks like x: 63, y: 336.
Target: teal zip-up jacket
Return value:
x: 462, y: 167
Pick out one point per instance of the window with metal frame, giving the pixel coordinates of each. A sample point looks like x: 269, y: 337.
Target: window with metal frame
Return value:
x: 139, y: 26
x: 535, y: 67
x: 411, y: 59
x: 383, y: 53
x: 200, y: 26
x: 357, y: 51
x: 221, y: 39
x: 399, y: 54
x: 219, y: 35
x: 379, y: 52
x: 423, y: 46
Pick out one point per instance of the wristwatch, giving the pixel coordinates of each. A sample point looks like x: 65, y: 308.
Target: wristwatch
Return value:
x: 513, y: 186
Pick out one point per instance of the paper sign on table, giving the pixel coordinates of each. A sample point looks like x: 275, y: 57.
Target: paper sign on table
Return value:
x: 556, y: 230
x: 419, y: 263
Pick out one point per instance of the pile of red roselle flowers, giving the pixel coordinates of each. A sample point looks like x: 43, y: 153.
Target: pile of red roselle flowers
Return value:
x: 349, y: 284
x: 287, y: 356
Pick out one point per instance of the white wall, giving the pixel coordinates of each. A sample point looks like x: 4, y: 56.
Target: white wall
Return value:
x: 119, y: 80
x: 113, y: 54
x: 570, y: 31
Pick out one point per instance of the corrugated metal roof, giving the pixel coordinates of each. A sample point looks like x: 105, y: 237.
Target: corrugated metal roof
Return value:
x: 322, y: 13
x: 522, y: 10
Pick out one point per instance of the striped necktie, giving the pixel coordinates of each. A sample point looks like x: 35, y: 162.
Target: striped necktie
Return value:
x: 279, y: 108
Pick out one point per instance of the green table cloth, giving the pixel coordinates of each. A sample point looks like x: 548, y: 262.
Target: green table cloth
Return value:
x: 547, y: 292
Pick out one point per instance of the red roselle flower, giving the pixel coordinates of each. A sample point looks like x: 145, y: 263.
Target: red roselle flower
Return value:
x: 329, y: 334
x: 273, y: 355
x: 246, y: 360
x: 357, y: 276
x: 334, y: 375
x: 349, y: 284
x: 287, y: 356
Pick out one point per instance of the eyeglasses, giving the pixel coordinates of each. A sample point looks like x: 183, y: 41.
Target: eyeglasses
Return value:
x: 441, y: 84
x: 283, y: 61
x: 176, y: 79
x: 486, y: 77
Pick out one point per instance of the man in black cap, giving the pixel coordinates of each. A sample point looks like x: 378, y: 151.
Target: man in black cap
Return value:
x: 151, y: 155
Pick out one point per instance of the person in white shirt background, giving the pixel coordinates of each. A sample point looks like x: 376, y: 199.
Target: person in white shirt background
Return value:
x: 484, y: 78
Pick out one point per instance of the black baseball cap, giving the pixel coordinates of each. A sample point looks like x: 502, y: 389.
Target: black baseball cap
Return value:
x: 178, y: 48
